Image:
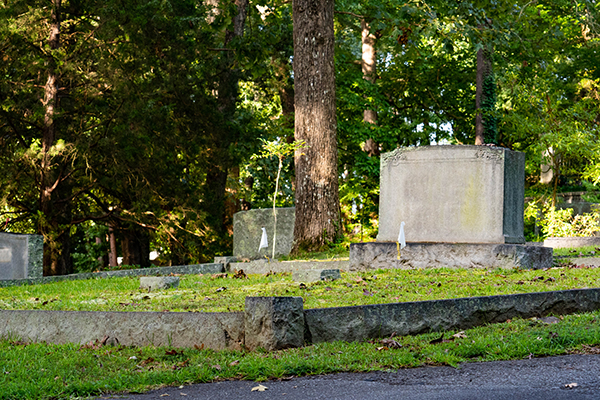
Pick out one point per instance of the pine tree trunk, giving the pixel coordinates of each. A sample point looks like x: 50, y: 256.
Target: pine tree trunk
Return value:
x: 317, y: 201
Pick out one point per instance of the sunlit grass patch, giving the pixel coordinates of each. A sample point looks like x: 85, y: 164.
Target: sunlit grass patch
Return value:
x: 225, y: 292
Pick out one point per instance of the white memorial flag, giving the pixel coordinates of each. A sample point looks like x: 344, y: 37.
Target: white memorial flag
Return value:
x: 263, y: 240
x: 401, y: 238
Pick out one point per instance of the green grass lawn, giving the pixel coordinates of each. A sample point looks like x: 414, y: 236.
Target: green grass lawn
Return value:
x: 46, y: 371
x: 225, y: 292
x: 585, y: 251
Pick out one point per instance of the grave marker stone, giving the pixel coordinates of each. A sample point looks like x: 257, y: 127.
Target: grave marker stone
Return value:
x: 452, y: 194
x: 21, y: 256
x: 247, y: 232
x: 462, y: 207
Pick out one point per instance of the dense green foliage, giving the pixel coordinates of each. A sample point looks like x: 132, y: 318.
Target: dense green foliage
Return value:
x: 160, y: 109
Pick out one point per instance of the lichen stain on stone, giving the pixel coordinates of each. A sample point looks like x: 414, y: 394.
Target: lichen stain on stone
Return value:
x: 471, y: 204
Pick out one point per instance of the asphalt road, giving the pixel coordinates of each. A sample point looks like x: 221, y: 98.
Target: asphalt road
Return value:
x: 563, y: 377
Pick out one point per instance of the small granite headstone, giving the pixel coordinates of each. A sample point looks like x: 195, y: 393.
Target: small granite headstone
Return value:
x: 21, y: 256
x: 247, y: 232
x: 315, y: 275
x: 151, y: 283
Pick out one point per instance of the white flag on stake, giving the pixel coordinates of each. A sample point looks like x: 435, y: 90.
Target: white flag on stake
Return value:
x: 401, y: 238
x: 263, y: 240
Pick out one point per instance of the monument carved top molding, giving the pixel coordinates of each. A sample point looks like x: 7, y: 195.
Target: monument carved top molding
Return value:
x: 401, y: 154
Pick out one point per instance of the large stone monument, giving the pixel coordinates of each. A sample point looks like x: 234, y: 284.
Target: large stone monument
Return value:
x: 452, y: 194
x: 21, y: 256
x: 462, y: 207
x: 247, y: 232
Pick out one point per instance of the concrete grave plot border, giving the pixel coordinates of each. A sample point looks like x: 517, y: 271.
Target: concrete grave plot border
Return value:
x: 212, y: 268
x: 562, y: 242
x: 276, y: 323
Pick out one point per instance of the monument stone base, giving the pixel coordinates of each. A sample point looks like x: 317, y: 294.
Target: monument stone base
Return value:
x: 384, y: 255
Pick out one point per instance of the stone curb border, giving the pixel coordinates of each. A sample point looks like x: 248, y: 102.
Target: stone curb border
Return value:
x: 212, y: 268
x: 562, y: 242
x: 275, y: 323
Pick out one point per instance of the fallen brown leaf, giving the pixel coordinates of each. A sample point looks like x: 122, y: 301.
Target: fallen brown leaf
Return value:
x: 241, y: 274
x: 147, y: 361
x: 391, y: 343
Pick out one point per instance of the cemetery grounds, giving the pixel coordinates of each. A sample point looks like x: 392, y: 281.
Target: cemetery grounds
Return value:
x: 47, y: 371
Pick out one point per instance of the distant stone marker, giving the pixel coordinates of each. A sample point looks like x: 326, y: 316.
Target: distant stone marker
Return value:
x: 21, y: 256
x: 247, y: 232
x: 152, y: 283
x: 316, y: 275
x: 452, y: 194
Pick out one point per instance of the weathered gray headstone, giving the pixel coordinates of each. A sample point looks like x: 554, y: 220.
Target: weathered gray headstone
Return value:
x: 151, y: 283
x: 21, y: 256
x: 452, y: 194
x: 247, y: 232
x: 274, y: 323
x: 315, y: 275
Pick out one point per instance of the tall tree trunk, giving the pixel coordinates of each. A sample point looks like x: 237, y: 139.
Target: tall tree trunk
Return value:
x: 112, y: 245
x: 57, y: 256
x: 317, y: 200
x: 369, y: 70
x: 484, y: 70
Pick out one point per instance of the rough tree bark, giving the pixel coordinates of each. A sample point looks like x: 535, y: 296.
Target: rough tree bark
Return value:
x: 369, y: 70
x: 112, y: 245
x: 484, y: 69
x: 317, y: 199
